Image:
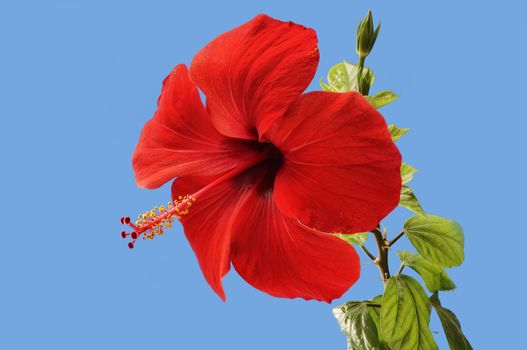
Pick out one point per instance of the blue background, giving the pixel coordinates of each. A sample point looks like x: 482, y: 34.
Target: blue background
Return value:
x: 78, y: 79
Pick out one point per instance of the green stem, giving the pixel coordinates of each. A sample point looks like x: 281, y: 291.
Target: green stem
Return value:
x: 396, y: 238
x: 359, y: 73
x: 373, y: 304
x: 400, y: 269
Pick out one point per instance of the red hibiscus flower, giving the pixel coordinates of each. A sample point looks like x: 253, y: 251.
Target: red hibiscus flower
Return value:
x: 268, y: 170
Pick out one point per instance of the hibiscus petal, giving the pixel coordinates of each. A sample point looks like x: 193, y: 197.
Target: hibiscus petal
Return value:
x: 208, y: 226
x: 284, y: 258
x: 180, y: 138
x: 252, y: 73
x: 189, y: 185
x: 274, y: 253
x: 341, y: 170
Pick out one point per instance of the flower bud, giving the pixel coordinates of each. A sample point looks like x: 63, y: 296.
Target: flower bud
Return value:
x: 366, y: 36
x: 366, y: 81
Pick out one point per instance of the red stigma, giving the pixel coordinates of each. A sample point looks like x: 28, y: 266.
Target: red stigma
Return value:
x: 154, y: 222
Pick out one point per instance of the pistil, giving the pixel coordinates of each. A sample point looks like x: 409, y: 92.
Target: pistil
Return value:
x: 153, y: 222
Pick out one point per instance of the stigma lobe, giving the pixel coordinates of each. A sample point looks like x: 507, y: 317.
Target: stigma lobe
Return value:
x: 153, y: 222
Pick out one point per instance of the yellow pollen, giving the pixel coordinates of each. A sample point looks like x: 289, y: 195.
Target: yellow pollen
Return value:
x: 153, y: 222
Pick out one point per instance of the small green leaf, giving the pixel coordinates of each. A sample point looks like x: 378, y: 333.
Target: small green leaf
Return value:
x: 434, y: 276
x: 325, y: 86
x: 397, y: 311
x: 396, y: 132
x: 407, y: 172
x: 409, y: 200
x: 354, y: 238
x: 451, y: 326
x: 356, y: 323
x: 382, y: 98
x: 437, y: 239
x: 419, y: 336
x: 342, y: 77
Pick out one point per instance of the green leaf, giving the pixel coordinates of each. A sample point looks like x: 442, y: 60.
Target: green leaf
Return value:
x: 356, y: 323
x: 407, y: 172
x: 451, y: 326
x: 396, y: 132
x: 409, y: 200
x: 418, y: 336
x: 437, y: 239
x: 325, y: 86
x: 382, y: 98
x: 397, y: 311
x: 342, y: 77
x: 375, y: 313
x: 434, y: 276
x: 354, y: 238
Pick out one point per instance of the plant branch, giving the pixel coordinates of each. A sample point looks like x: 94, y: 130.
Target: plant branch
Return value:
x: 396, y: 238
x: 368, y: 253
x: 382, y: 260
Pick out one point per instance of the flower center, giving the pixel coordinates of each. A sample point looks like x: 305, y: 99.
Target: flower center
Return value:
x: 260, y: 171
x: 263, y: 173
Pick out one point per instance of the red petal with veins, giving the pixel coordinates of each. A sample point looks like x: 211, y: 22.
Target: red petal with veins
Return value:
x: 189, y: 184
x: 341, y: 170
x: 252, y: 73
x: 208, y: 228
x: 239, y: 221
x: 280, y: 256
x: 180, y: 139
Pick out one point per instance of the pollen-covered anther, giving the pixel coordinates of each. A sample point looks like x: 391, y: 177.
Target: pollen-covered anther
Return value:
x: 153, y: 222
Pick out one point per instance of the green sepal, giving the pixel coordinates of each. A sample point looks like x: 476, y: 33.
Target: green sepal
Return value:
x: 354, y: 238
x: 437, y: 239
x: 410, y: 201
x: 418, y: 336
x: 451, y: 325
x: 366, y: 82
x: 358, y: 326
x: 382, y: 98
x: 434, y: 276
x: 396, y: 132
x: 342, y: 77
x: 407, y: 173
